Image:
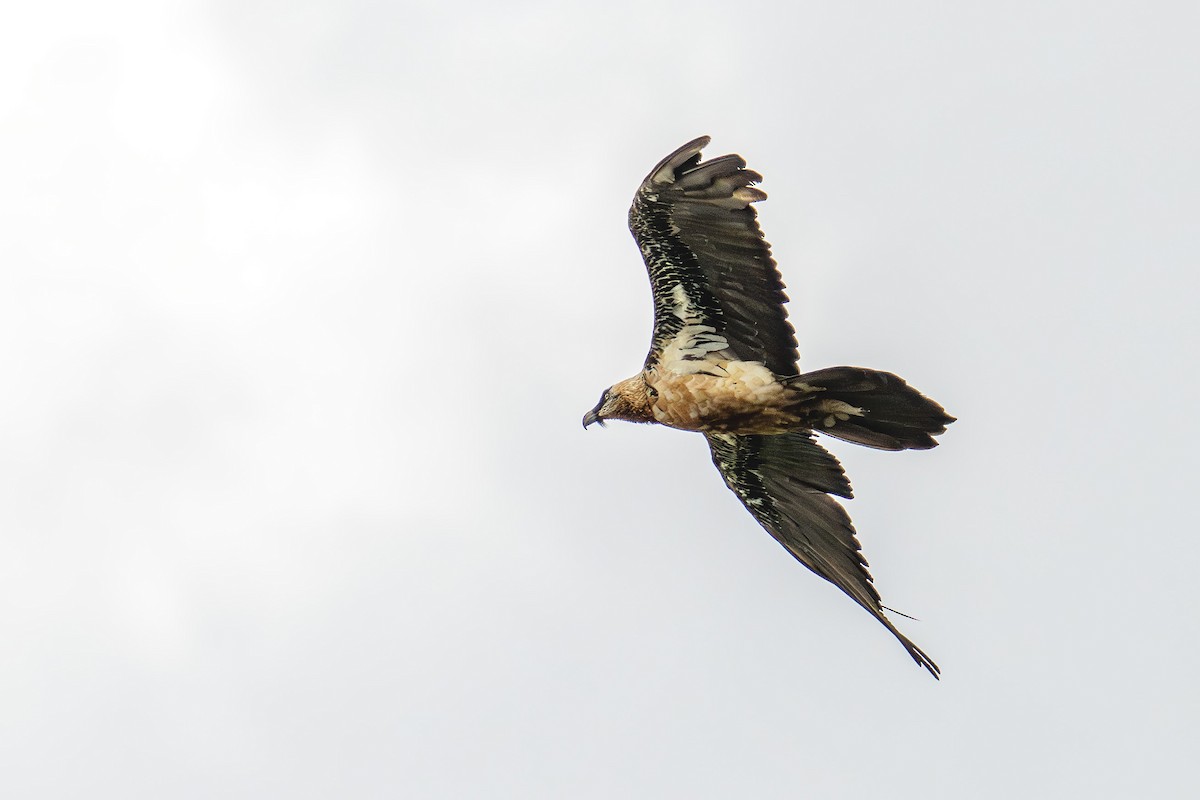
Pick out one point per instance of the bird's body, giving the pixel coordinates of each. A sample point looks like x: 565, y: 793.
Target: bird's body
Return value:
x: 722, y: 362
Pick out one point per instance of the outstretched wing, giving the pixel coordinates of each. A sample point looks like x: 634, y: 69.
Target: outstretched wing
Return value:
x: 716, y: 288
x: 785, y: 482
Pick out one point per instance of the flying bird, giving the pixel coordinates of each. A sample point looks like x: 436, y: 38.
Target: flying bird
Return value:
x: 723, y: 360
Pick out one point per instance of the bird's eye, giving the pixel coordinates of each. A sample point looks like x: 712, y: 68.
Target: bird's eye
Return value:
x: 650, y: 390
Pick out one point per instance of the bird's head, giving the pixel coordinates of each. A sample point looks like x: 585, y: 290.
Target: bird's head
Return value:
x: 628, y: 400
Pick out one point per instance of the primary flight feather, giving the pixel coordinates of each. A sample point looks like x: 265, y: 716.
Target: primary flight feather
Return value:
x: 723, y: 359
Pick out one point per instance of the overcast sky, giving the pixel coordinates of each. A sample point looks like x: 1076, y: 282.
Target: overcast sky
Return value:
x: 301, y: 304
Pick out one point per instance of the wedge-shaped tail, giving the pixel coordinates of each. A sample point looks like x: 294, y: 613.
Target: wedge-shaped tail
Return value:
x: 873, y: 408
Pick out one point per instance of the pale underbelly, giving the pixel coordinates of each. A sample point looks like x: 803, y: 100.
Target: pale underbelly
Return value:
x: 749, y: 403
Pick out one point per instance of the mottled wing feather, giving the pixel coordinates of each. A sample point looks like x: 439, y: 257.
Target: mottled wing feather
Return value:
x: 785, y: 482
x: 707, y: 259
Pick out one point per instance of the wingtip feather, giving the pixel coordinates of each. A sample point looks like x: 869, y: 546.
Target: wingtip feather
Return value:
x: 664, y: 171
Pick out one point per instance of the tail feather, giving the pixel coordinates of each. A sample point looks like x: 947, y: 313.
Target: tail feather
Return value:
x: 884, y: 412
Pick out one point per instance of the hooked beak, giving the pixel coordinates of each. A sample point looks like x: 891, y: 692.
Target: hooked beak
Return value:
x: 592, y: 416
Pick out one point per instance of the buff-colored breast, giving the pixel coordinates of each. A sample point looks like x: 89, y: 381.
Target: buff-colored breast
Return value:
x: 729, y: 396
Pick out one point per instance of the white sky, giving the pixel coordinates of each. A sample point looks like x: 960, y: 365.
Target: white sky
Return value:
x: 301, y: 304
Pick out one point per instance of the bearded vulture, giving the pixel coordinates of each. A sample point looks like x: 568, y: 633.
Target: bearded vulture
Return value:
x: 723, y: 362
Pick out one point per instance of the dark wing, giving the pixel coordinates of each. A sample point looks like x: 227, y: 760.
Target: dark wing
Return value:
x: 710, y: 269
x: 785, y: 482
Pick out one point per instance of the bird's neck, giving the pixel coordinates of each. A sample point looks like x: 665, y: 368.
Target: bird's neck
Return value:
x: 634, y: 400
